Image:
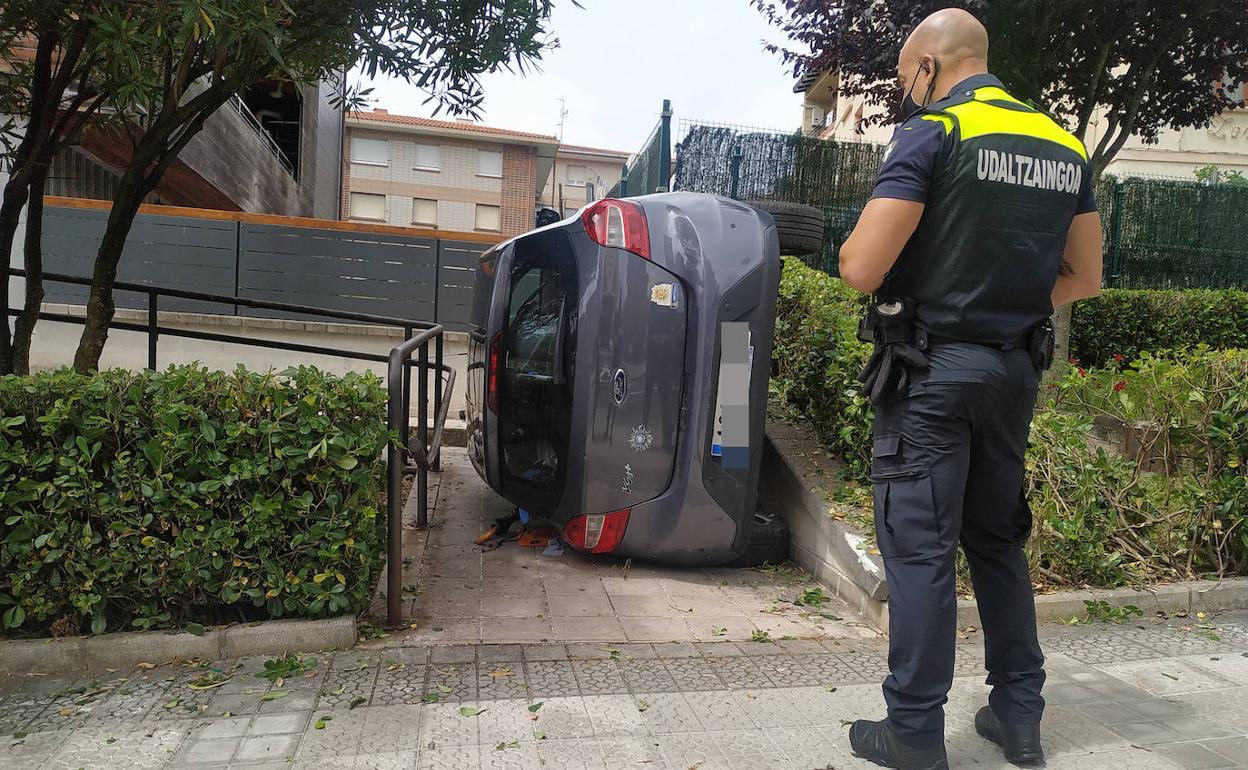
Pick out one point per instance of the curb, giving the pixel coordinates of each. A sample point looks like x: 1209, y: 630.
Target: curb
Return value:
x: 827, y: 548
x: 128, y: 648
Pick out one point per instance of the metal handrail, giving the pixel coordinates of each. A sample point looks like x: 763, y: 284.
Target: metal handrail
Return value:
x: 425, y: 455
x: 247, y: 115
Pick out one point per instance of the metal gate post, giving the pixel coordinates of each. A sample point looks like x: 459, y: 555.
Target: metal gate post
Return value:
x: 665, y: 147
x: 1115, y: 236
x: 734, y: 165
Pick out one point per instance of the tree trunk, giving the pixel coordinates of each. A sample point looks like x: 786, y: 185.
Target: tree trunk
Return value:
x: 100, y: 308
x: 24, y: 329
x: 15, y: 193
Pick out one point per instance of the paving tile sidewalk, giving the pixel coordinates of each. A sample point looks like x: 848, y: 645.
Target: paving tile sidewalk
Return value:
x: 1143, y: 695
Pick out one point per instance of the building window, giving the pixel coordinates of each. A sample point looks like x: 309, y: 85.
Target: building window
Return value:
x: 368, y: 206
x: 489, y: 218
x: 569, y: 211
x: 578, y: 175
x: 428, y: 157
x: 374, y: 152
x: 424, y: 212
x: 489, y: 163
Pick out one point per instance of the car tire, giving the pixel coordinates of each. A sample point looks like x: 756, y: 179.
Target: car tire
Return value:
x: 800, y: 227
x: 767, y: 542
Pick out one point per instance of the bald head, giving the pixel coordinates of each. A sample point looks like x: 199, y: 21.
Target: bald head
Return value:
x: 946, y: 48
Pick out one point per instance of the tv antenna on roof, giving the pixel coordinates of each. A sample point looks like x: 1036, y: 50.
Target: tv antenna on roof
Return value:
x: 563, y: 116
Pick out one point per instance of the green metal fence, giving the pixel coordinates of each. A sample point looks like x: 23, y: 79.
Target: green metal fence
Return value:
x: 649, y: 171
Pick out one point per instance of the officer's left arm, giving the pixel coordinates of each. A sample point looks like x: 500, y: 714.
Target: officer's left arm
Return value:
x: 871, y: 250
x: 896, y: 205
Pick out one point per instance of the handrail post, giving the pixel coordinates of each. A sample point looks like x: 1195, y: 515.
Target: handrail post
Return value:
x: 406, y: 433
x: 422, y: 434
x: 153, y: 333
x: 438, y: 350
x: 394, y: 489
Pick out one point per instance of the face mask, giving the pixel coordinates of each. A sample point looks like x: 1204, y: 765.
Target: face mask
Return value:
x: 908, y: 105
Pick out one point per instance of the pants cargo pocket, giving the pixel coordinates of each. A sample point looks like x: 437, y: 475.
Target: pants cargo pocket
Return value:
x: 906, y: 524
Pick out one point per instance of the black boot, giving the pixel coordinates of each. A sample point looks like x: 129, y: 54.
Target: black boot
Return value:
x: 876, y: 742
x: 1021, y: 743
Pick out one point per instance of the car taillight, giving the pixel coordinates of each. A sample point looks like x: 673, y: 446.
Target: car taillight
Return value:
x: 596, y: 532
x: 612, y: 222
x: 496, y: 348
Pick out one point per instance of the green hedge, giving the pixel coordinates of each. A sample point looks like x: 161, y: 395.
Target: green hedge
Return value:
x: 1124, y: 322
x: 187, y: 497
x: 1100, y: 518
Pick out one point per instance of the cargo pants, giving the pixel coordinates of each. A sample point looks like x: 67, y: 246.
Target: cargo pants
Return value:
x: 947, y: 466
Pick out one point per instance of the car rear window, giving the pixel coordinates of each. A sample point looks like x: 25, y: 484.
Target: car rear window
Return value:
x: 538, y: 352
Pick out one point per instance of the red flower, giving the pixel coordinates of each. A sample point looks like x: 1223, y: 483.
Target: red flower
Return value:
x: 1119, y: 357
x: 1083, y: 372
x: 1073, y: 360
x: 1119, y: 385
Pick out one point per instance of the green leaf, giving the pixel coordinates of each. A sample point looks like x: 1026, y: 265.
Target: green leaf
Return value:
x: 347, y: 462
x: 14, y: 617
x: 208, y: 432
x: 274, y: 695
x: 444, y: 689
x: 320, y: 723
x: 195, y: 628
x: 470, y: 711
x: 534, y: 708
x: 430, y: 698
x: 356, y: 702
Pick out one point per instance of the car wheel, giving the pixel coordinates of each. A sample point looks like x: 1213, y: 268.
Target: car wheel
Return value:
x: 800, y: 227
x: 767, y: 542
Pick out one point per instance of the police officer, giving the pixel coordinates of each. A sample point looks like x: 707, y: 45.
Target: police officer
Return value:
x: 982, y: 222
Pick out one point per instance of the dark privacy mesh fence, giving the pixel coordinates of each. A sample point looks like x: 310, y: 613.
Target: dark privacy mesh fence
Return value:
x: 1173, y: 234
x: 1159, y: 233
x: 759, y: 164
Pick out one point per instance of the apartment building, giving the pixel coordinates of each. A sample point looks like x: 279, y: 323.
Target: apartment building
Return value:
x: 445, y: 174
x: 582, y: 175
x: 829, y: 114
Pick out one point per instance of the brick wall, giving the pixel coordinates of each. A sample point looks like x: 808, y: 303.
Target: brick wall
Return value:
x: 519, y: 172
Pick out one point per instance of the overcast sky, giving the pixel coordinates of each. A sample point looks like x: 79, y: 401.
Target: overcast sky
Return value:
x: 618, y: 60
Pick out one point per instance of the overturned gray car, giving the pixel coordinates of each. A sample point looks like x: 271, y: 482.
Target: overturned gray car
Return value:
x: 618, y: 371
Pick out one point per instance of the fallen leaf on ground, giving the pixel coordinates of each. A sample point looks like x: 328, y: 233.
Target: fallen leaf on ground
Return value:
x: 501, y: 673
x: 430, y: 698
x: 356, y: 702
x: 502, y: 746
x: 69, y: 712
x: 541, y: 736
x: 275, y: 695
x: 470, y: 711
x: 444, y: 689
x: 320, y: 723
x: 536, y: 706
x: 148, y: 666
x: 642, y: 705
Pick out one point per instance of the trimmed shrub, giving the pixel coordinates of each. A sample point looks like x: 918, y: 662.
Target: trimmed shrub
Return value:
x: 152, y: 499
x: 819, y: 357
x: 1125, y: 323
